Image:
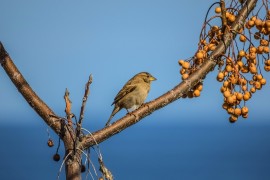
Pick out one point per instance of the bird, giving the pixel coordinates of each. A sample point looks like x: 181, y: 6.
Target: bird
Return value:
x: 133, y: 94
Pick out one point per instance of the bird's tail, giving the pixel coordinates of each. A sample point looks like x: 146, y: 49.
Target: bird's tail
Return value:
x: 115, y: 110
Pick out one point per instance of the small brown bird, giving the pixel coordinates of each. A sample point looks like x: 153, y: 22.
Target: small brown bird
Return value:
x: 133, y: 93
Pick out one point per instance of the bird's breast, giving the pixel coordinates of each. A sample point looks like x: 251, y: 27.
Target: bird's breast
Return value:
x: 134, y: 107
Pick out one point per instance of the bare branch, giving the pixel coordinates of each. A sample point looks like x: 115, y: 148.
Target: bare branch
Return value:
x: 86, y: 93
x: 68, y: 107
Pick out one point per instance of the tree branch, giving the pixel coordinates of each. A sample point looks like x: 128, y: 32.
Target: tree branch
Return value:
x: 177, y: 92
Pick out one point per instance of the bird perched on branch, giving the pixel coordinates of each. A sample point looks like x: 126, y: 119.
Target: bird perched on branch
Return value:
x: 133, y: 93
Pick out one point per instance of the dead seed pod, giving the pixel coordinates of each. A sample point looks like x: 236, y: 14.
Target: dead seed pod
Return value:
x: 56, y: 157
x: 50, y: 143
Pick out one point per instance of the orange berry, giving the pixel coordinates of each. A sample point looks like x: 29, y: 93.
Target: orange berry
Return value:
x: 227, y: 94
x: 231, y: 18
x: 239, y: 96
x: 233, y: 119
x: 244, y: 110
x: 252, y: 49
x: 225, y: 105
x: 265, y: 49
x: 252, y: 55
x: 196, y: 93
x: 267, y: 23
x: 180, y: 62
x: 242, y: 38
x: 259, y: 76
x: 253, y: 18
x: 240, y: 63
x: 257, y: 85
x: 242, y: 53
x: 263, y: 81
x: 251, y: 23
x: 245, y: 115
x: 230, y: 110
x: 252, y: 89
x: 228, y: 68
x: 258, y: 22
x: 260, y: 49
x: 199, y: 86
x: 182, y: 71
x: 220, y: 75
x: 244, y: 88
x: 199, y: 55
x: 246, y: 96
x: 267, y: 68
x: 223, y: 89
x: 267, y: 62
x: 217, y: 10
x: 230, y: 100
x: 226, y: 83
x: 264, y: 42
x: 212, y: 47
x: 242, y: 81
x: 252, y: 69
x: 185, y: 76
x: 237, y: 111
x: 185, y: 65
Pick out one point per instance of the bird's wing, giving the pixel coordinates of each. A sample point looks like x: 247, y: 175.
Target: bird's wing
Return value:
x: 124, y: 91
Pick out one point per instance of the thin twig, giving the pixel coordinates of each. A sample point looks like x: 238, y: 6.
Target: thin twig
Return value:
x: 86, y: 93
x: 68, y: 107
x: 84, y: 100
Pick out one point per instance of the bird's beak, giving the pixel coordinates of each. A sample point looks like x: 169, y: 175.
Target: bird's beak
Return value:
x: 152, y: 78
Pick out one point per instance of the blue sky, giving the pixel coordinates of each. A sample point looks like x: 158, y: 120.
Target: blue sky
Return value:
x: 56, y: 44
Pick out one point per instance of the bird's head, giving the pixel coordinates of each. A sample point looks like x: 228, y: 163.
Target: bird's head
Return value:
x: 147, y: 77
